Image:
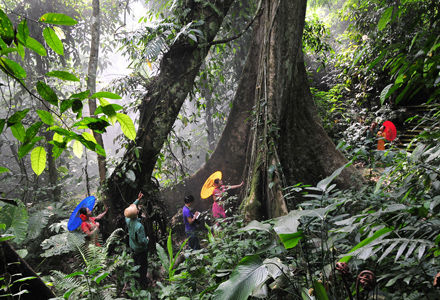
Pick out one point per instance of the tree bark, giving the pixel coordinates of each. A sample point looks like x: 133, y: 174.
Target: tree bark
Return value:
x: 160, y: 107
x: 289, y: 143
x: 230, y: 154
x: 91, y: 81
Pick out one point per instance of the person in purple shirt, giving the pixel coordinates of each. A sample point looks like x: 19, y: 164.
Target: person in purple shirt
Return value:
x: 188, y: 220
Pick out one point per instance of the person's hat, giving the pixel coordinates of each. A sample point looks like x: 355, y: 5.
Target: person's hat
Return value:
x: 131, y: 211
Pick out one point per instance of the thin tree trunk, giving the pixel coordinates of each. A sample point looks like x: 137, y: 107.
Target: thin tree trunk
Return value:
x: 91, y: 81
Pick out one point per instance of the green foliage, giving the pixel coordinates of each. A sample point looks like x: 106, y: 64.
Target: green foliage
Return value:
x: 14, y: 219
x: 56, y: 106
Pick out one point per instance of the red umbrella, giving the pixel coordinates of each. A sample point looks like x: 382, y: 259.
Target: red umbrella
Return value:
x: 390, y: 130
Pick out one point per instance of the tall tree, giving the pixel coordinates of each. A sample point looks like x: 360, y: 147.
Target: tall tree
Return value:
x: 91, y: 79
x: 287, y: 144
x: 161, y: 105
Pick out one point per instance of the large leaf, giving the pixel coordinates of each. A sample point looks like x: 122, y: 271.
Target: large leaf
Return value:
x: 78, y: 149
x: 2, y: 125
x: 15, y: 218
x: 36, y: 46
x: 63, y: 75
x: 12, y: 68
x: 17, y: 117
x: 46, y: 117
x: 32, y: 131
x: 377, y: 234
x: 107, y: 95
x: 323, y: 184
x: 58, y: 19
x: 256, y: 225
x: 53, y: 40
x: 163, y: 256
x: 18, y: 131
x: 290, y: 240
x: 25, y: 148
x: 22, y: 32
x: 248, y: 275
x: 385, y: 19
x: 6, y: 28
x: 38, y: 160
x: 320, y: 291
x: 127, y: 126
x: 47, y: 93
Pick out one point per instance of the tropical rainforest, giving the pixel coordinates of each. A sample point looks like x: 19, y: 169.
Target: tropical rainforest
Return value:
x: 326, y: 111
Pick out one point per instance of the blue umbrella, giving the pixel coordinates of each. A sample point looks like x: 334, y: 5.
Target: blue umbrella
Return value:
x: 75, y: 220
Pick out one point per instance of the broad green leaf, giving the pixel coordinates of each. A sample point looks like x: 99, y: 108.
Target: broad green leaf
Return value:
x: 58, y: 19
x: 53, y: 41
x: 35, y: 45
x: 57, y: 137
x: 4, y: 170
x: 25, y: 148
x: 96, y: 124
x: 2, y: 125
x: 21, y: 51
x: 162, y: 256
x: 80, y: 96
x: 46, y: 117
x: 323, y: 184
x: 6, y: 28
x: 107, y: 95
x: 385, y: 19
x: 63, y: 75
x: 170, y: 249
x: 290, y: 240
x: 47, y: 93
x: 38, y: 160
x: 18, y: 131
x: 385, y: 93
x: 249, y: 274
x: 366, y: 241
x: 15, y: 218
x: 127, y: 126
x: 320, y: 291
x: 89, y: 137
x: 66, y: 104
x: 78, y: 149
x: 99, y: 150
x: 12, y: 68
x: 32, y: 131
x: 6, y: 50
x: 100, y: 277
x: 17, y: 117
x: 256, y: 225
x: 22, y: 32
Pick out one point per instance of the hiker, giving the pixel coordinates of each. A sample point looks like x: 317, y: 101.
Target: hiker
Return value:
x: 89, y: 225
x: 188, y: 219
x: 138, y: 241
x: 371, y: 135
x: 381, y: 139
x: 217, y: 195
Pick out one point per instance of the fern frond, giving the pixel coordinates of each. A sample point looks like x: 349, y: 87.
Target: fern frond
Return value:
x: 37, y: 221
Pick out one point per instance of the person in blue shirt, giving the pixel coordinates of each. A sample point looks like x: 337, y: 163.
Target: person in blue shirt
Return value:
x: 138, y: 241
x: 188, y: 220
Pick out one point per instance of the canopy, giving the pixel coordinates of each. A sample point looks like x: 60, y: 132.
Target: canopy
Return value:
x: 209, y: 187
x: 390, y: 130
x: 75, y: 220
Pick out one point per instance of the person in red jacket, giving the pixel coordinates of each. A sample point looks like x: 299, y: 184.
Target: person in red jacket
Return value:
x: 89, y: 225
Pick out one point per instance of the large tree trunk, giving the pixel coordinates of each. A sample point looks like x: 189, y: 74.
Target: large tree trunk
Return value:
x: 289, y: 143
x: 91, y: 81
x: 160, y: 107
x: 230, y: 154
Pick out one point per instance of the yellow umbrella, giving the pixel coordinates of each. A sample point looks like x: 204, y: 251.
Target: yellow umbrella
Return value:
x: 209, y: 187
